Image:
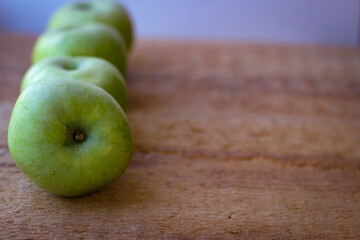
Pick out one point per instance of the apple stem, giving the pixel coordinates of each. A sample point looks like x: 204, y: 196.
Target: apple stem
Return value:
x: 79, y: 136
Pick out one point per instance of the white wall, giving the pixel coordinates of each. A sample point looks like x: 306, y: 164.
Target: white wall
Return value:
x: 294, y: 21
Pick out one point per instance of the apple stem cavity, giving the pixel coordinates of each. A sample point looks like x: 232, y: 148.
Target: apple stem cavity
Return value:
x: 82, y: 6
x: 68, y: 66
x: 79, y: 136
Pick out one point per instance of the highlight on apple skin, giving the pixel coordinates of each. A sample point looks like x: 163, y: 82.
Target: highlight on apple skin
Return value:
x: 106, y: 12
x: 93, y: 40
x: 87, y: 69
x: 69, y: 137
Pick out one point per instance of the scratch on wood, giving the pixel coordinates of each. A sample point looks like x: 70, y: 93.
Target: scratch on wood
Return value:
x: 3, y: 149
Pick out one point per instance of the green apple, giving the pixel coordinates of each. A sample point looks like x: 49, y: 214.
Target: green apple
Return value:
x: 93, y: 39
x: 106, y: 12
x: 88, y: 69
x: 69, y: 137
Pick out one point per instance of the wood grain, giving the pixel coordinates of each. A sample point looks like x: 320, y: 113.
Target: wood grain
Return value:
x: 232, y: 141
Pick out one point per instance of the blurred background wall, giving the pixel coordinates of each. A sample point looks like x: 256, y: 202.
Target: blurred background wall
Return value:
x: 296, y: 21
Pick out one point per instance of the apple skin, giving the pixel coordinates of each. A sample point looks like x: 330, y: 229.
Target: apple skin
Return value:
x: 93, y: 40
x: 88, y: 69
x: 106, y: 12
x: 41, y: 138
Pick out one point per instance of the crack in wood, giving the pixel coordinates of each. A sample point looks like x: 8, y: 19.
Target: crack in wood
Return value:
x: 6, y: 164
x: 325, y: 163
x: 349, y: 91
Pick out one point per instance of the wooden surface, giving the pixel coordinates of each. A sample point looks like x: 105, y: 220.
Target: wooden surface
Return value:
x: 232, y: 141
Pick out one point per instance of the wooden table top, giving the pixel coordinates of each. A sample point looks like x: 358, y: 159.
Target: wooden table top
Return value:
x: 232, y: 140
